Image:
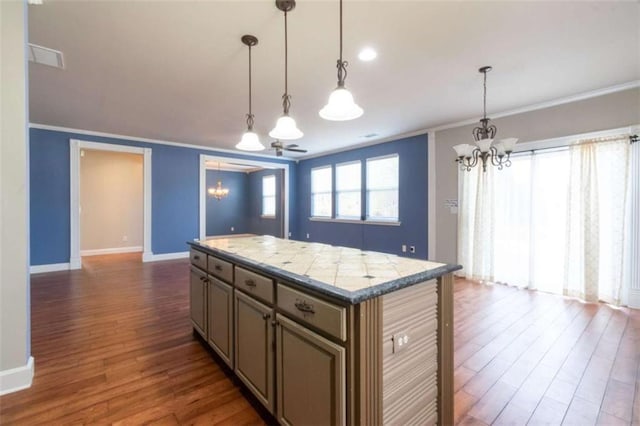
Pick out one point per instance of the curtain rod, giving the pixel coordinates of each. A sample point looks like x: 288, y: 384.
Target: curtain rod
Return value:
x: 632, y: 139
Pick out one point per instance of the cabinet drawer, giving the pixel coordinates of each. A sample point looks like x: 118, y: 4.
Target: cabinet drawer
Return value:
x: 254, y: 284
x: 322, y: 315
x: 221, y: 269
x: 198, y: 259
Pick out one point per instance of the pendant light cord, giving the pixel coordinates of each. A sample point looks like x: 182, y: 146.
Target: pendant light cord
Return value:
x: 340, y: 30
x: 286, y: 98
x: 341, y: 65
x: 250, y: 115
x: 485, y: 95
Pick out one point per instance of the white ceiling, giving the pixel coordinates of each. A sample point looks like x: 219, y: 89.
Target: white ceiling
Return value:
x: 177, y: 71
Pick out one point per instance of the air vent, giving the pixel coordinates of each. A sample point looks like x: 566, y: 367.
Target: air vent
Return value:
x: 45, y: 56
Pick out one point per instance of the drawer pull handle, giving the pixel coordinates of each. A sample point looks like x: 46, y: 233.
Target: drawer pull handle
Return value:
x: 305, y: 307
x: 266, y: 316
x: 250, y: 283
x: 218, y: 268
x: 203, y: 278
x: 196, y: 257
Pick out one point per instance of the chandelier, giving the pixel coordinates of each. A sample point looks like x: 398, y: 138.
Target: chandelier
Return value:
x: 497, y: 153
x: 218, y: 192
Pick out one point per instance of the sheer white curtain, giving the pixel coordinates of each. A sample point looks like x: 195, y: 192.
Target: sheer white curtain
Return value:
x: 553, y: 221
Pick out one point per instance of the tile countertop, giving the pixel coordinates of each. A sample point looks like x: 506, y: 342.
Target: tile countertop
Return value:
x: 348, y: 274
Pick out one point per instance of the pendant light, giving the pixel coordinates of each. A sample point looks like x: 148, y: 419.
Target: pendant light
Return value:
x: 286, y: 128
x: 341, y: 106
x: 250, y: 140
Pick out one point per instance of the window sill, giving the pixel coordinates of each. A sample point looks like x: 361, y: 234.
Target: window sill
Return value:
x: 356, y: 221
x: 264, y: 216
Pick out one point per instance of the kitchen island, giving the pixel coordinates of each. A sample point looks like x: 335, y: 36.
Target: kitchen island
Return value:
x: 328, y: 335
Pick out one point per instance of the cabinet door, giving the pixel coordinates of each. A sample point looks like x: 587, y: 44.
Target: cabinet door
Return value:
x: 198, y: 301
x: 311, y: 377
x: 220, y: 314
x: 254, y: 347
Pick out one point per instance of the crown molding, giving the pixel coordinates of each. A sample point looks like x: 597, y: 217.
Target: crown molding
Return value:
x: 542, y: 105
x: 147, y: 140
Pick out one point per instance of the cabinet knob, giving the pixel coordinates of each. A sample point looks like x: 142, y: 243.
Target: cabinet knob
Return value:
x: 218, y: 268
x: 196, y: 257
x: 250, y: 283
x: 202, y: 278
x: 266, y: 316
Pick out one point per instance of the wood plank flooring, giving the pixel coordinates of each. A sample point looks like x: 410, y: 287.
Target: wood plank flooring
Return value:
x: 113, y: 345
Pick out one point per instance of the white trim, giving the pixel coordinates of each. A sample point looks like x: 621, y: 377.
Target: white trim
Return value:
x: 571, y: 139
x: 114, y: 250
x: 166, y: 256
x: 75, y: 145
x: 356, y: 221
x: 147, y: 140
x: 263, y: 164
x: 51, y: 267
x: 560, y: 101
x: 431, y: 195
x: 16, y: 379
x: 542, y: 105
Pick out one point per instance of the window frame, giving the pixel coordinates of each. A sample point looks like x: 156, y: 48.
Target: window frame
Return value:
x: 367, y: 190
x: 330, y: 192
x: 274, y: 196
x: 337, y: 192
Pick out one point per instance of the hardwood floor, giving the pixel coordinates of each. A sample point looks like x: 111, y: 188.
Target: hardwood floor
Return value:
x: 113, y: 344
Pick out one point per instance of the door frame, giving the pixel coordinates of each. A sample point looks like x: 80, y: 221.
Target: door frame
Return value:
x: 75, y: 146
x: 265, y: 164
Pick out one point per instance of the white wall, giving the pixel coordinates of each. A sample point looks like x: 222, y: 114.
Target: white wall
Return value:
x: 602, y: 113
x: 16, y: 366
x: 111, y: 200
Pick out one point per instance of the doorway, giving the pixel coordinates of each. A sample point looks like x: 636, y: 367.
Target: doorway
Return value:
x: 259, y: 175
x: 76, y: 148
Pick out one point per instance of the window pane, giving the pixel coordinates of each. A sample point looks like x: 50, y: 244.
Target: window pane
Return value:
x: 321, y: 180
x: 348, y: 177
x: 321, y: 204
x: 382, y: 188
x: 348, y: 204
x: 382, y: 173
x: 269, y: 206
x: 382, y: 204
x: 268, y: 185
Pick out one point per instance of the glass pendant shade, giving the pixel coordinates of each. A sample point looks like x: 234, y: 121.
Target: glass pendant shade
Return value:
x: 341, y: 106
x: 509, y: 144
x: 250, y: 142
x: 286, y: 129
x: 484, y: 144
x: 463, y: 150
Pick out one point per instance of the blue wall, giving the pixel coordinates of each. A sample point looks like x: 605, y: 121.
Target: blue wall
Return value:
x: 174, y: 180
x: 258, y: 224
x: 230, y: 211
x: 412, y: 231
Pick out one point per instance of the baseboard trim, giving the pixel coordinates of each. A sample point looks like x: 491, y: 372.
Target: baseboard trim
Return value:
x: 16, y: 379
x: 96, y: 252
x: 164, y: 256
x: 52, y: 267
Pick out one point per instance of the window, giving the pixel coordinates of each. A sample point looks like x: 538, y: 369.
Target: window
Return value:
x: 269, y: 196
x: 321, y: 184
x: 348, y: 190
x: 382, y: 188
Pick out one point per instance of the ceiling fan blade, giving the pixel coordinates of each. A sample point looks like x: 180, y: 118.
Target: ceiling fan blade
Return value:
x: 292, y: 145
x: 296, y: 149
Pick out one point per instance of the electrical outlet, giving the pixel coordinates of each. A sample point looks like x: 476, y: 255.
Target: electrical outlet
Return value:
x: 404, y: 248
x: 233, y: 229
x: 307, y: 236
x: 412, y: 249
x: 125, y: 238
x: 289, y: 233
x: 400, y: 342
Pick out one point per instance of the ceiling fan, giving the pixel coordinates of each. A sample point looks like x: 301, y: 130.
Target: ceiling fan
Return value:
x: 280, y: 148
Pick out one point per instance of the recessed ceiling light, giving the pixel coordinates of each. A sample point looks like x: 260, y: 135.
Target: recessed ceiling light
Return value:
x: 367, y: 54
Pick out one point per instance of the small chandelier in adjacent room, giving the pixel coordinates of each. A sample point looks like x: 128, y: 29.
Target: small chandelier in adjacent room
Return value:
x: 250, y: 140
x: 218, y: 192
x: 487, y: 151
x: 341, y: 106
x: 286, y: 128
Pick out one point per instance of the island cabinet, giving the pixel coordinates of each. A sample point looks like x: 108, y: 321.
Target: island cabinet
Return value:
x: 325, y: 335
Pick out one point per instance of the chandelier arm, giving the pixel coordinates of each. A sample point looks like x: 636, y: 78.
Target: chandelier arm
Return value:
x: 474, y: 158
